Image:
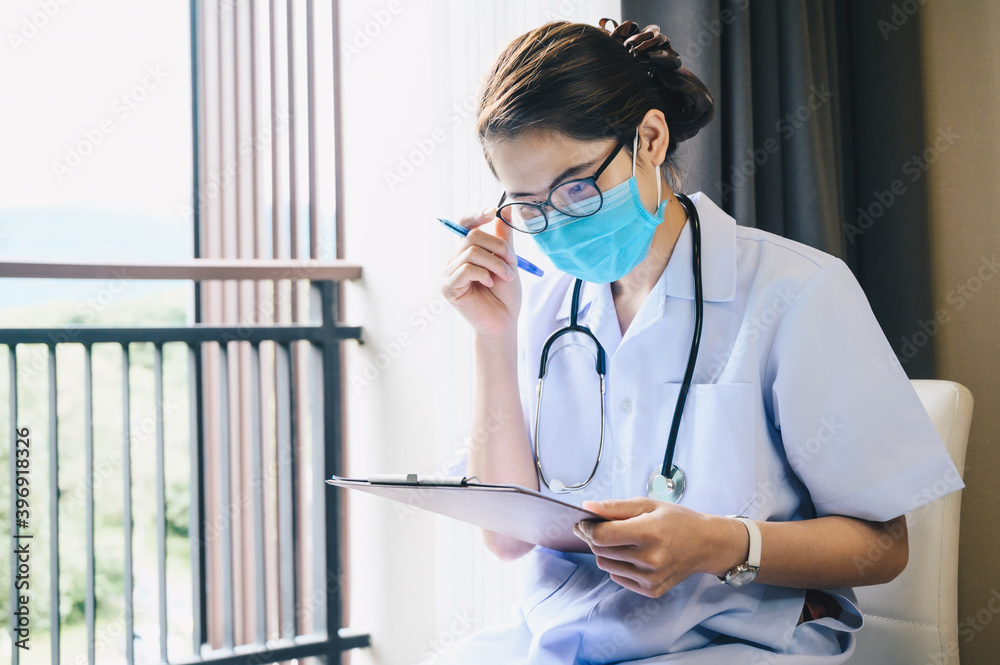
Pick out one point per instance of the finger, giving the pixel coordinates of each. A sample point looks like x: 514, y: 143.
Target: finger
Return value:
x: 467, y: 274
x: 504, y: 231
x: 629, y: 584
x: 621, y: 509
x: 624, y: 553
x: 478, y: 256
x: 622, y: 569
x: 476, y: 220
x: 610, y: 534
x: 578, y: 532
x: 629, y: 553
x: 642, y: 586
x: 489, y: 242
x: 493, y: 244
x: 501, y: 230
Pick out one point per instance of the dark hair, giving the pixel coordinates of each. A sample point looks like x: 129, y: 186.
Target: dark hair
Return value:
x: 580, y: 81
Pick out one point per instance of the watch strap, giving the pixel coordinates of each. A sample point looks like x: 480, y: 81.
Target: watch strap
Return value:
x: 753, y: 558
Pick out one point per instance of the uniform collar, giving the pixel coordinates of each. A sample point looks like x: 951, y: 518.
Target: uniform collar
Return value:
x: 718, y: 262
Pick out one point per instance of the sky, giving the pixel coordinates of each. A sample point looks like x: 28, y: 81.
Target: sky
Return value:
x: 97, y: 104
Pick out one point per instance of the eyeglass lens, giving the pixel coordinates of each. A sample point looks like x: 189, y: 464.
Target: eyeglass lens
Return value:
x: 577, y: 198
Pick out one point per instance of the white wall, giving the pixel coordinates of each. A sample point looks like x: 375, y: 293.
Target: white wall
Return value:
x: 418, y: 582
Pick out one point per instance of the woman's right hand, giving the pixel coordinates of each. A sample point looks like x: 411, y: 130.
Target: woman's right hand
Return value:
x: 481, y: 279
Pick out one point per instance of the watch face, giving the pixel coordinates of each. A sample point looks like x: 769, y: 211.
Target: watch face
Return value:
x: 741, y: 578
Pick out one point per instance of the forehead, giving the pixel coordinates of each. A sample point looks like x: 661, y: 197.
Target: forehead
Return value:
x: 531, y: 161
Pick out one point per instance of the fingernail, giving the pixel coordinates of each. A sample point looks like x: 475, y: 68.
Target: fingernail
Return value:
x: 510, y: 273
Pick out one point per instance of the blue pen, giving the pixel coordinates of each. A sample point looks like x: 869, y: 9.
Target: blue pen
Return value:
x: 523, y: 264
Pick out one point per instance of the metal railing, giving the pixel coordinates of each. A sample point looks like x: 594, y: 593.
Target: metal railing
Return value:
x: 326, y: 637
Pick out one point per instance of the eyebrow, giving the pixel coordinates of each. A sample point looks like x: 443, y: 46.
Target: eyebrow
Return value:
x: 571, y: 171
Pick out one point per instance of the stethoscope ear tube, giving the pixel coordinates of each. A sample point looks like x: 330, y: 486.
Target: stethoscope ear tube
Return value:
x: 572, y: 327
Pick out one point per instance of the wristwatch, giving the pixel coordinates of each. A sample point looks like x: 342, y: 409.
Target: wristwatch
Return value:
x: 745, y: 572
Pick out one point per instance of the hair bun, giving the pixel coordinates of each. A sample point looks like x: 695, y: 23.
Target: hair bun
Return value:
x: 652, y: 48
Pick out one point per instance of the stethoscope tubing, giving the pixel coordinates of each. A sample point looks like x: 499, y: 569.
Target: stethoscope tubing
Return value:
x: 668, y: 456
x: 543, y: 362
x: 574, y: 326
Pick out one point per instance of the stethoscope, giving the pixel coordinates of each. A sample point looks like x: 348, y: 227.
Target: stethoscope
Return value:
x: 659, y: 486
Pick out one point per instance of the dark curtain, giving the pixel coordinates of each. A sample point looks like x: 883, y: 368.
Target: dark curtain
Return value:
x: 818, y: 136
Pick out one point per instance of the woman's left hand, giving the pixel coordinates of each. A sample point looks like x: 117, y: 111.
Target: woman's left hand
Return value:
x: 650, y: 546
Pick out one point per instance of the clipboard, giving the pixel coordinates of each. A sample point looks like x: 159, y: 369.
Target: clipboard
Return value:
x: 511, y: 510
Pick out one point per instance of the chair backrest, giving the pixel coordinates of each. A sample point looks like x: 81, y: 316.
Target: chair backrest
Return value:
x: 914, y: 618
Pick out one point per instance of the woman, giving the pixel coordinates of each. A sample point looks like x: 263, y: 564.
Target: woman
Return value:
x: 799, y: 419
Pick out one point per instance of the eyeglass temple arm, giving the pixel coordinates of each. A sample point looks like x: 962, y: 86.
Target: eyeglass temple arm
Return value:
x: 608, y: 160
x: 597, y: 173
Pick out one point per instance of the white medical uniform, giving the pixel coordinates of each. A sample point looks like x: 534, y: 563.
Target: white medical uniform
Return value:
x: 799, y: 409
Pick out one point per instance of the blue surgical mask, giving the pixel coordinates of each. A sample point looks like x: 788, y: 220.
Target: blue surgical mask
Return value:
x: 606, y: 246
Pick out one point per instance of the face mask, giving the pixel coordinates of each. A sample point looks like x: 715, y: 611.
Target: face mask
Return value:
x: 607, y: 245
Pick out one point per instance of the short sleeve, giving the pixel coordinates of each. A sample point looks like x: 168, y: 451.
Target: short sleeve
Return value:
x: 852, y: 426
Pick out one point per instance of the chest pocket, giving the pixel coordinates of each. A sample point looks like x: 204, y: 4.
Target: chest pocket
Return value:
x: 716, y: 445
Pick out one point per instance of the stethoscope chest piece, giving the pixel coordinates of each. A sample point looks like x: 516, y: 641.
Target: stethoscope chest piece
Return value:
x: 660, y: 487
x: 666, y: 489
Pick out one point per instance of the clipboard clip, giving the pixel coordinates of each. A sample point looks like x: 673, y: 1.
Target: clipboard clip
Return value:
x: 415, y: 479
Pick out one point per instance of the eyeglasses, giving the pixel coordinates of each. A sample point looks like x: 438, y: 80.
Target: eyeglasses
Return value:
x: 576, y: 198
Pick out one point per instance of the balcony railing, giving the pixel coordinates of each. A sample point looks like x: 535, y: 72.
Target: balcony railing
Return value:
x: 324, y: 636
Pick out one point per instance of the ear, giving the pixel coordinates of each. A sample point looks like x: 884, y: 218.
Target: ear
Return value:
x: 654, y: 137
